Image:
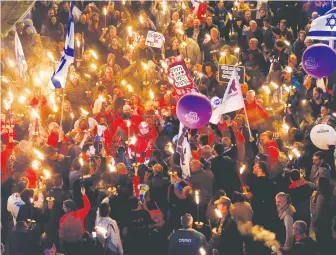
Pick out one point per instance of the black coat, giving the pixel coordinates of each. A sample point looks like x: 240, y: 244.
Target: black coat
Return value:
x: 305, y: 246
x: 301, y: 200
x: 21, y: 243
x: 226, y: 177
x: 231, y: 241
x: 263, y: 202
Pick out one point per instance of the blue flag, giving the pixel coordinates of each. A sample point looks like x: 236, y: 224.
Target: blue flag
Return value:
x: 59, y: 76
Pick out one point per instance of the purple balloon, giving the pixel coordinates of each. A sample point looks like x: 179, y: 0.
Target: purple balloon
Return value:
x: 194, y: 110
x: 319, y: 60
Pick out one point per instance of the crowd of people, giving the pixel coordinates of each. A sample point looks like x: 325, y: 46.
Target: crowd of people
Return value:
x: 92, y: 168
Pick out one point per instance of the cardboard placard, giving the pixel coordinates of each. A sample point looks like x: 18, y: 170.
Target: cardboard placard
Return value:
x: 154, y: 39
x: 225, y: 73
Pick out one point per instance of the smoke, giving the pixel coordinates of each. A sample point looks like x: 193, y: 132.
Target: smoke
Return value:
x: 259, y: 234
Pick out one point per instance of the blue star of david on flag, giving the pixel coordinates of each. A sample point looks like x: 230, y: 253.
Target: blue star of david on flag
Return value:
x: 331, y: 22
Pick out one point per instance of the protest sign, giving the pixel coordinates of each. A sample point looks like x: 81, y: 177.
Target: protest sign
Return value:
x: 225, y: 73
x: 154, y: 39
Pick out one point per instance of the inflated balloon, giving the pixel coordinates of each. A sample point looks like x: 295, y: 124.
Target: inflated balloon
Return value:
x: 194, y: 110
x: 319, y: 60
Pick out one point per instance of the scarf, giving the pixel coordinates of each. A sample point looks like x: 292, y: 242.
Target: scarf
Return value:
x: 286, y: 210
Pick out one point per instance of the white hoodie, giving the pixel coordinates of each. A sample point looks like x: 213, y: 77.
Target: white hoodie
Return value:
x: 108, y: 233
x: 14, y: 203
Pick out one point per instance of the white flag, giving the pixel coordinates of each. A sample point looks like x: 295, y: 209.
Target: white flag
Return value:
x: 59, y: 76
x: 232, y: 100
x: 324, y: 27
x: 183, y: 148
x: 20, y: 58
x: 76, y: 13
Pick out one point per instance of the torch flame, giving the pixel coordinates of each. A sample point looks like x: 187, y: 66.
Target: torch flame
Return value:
x: 218, y: 213
x: 46, y: 173
x: 38, y: 154
x: 81, y: 161
x: 105, y: 11
x: 93, y: 66
x: 242, y: 169
x: 94, y: 55
x: 133, y: 140
x: 151, y: 94
x: 197, y: 198
x: 84, y: 112
x: 51, y: 56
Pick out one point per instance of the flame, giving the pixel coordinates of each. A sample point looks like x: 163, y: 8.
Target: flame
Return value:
x: 223, y: 54
x: 289, y: 69
x: 83, y: 111
x: 35, y: 114
x: 11, y: 63
x: 46, y: 173
x: 170, y: 148
x: 272, y: 83
x: 287, y: 43
x: 38, y: 154
x: 266, y: 89
x: 105, y: 11
x: 151, y: 94
x: 197, y: 198
x: 129, y: 87
x: 72, y: 115
x: 22, y: 99
x: 141, y: 19
x: 36, y: 164
x: 112, y: 168
x: 4, y: 79
x: 183, y: 6
x: 87, y: 75
x: 31, y: 200
x: 202, y: 251
x: 230, y: 16
x: 145, y: 66
x: 237, y: 50
x: 94, y: 55
x: 207, y: 37
x: 128, y: 123
x: 130, y: 31
x: 285, y: 126
x: 133, y: 140
x: 304, y: 101
x: 93, y: 66
x: 218, y: 213
x: 123, y: 82
x: 51, y: 56
x: 290, y: 156
x: 101, y: 98
x: 81, y: 161
x: 242, y: 169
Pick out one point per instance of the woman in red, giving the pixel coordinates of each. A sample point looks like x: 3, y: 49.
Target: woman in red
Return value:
x: 71, y: 225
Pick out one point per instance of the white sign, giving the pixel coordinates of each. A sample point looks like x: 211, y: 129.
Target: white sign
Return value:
x: 154, y: 39
x: 323, y: 135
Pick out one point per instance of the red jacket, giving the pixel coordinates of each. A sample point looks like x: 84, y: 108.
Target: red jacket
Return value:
x: 272, y: 152
x: 255, y: 113
x: 72, y: 223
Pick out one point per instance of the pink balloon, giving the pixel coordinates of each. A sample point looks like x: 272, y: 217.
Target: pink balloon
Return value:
x: 194, y: 110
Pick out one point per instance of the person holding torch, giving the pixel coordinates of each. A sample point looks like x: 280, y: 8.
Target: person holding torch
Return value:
x: 226, y: 237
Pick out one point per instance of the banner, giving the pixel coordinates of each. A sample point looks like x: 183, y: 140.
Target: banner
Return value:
x: 179, y: 76
x: 225, y: 73
x: 154, y: 39
x: 233, y: 99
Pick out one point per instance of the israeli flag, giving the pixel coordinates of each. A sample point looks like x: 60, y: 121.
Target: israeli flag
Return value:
x: 324, y: 27
x: 59, y: 76
x: 20, y: 58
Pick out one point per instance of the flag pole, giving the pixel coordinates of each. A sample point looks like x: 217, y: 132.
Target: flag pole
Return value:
x: 62, y: 107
